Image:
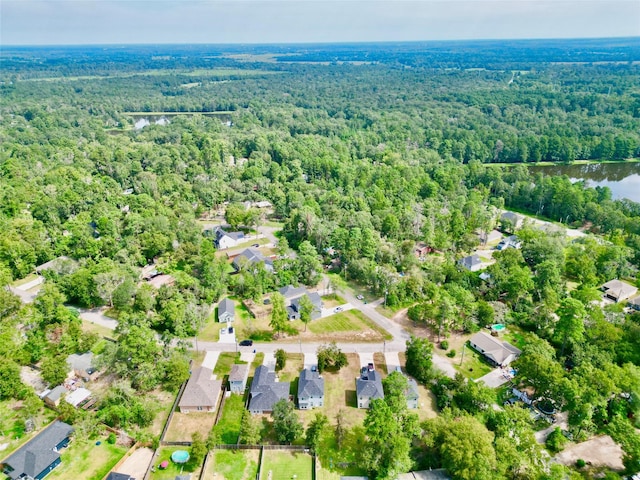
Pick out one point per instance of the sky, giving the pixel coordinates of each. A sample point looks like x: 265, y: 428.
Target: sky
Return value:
x: 73, y: 22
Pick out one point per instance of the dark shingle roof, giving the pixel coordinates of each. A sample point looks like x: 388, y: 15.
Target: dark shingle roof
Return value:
x: 238, y: 372
x: 226, y: 306
x: 251, y: 256
x: 119, y: 476
x: 369, y: 385
x: 36, y: 455
x: 310, y: 384
x: 266, y: 391
x: 471, y: 261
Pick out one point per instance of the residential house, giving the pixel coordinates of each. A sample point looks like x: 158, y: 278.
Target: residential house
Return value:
x: 226, y: 310
x: 509, y: 242
x: 512, y: 219
x: 310, y: 390
x: 238, y: 378
x: 434, y: 474
x: 412, y: 394
x: 81, y: 365
x: 634, y: 303
x: 472, y: 263
x: 226, y: 239
x: 266, y: 391
x: 184, y: 476
x: 496, y: 352
x: 421, y: 250
x: 617, y: 290
x: 77, y: 396
x: 62, y: 265
x: 250, y: 257
x: 292, y: 296
x: 201, y: 392
x: 119, y: 476
x: 40, y: 455
x: 368, y: 387
x: 53, y: 397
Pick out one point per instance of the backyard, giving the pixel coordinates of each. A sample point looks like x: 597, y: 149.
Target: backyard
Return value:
x: 173, y: 469
x: 85, y: 460
x: 284, y: 465
x: 233, y: 465
x: 183, y: 425
x: 228, y: 427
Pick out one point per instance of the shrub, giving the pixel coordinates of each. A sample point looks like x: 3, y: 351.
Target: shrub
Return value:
x: 451, y: 353
x: 580, y: 463
x: 111, y: 439
x: 556, y: 441
x: 444, y: 344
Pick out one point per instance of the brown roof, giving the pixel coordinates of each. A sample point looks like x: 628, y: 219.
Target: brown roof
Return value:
x: 202, y: 389
x: 239, y: 372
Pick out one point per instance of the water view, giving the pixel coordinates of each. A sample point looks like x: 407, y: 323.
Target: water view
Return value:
x: 622, y: 178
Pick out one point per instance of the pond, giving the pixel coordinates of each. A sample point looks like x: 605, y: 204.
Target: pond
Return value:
x: 622, y: 178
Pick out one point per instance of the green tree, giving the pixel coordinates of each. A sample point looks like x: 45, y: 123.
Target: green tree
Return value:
x: 317, y: 427
x: 570, y: 326
x: 309, y: 266
x: 249, y: 430
x: 198, y: 449
x: 419, y: 363
x: 330, y: 357
x: 11, y: 385
x: 285, y: 422
x: 235, y: 215
x: 281, y: 359
x: 306, y: 309
x: 278, y: 314
x: 176, y: 371
x: 54, y: 369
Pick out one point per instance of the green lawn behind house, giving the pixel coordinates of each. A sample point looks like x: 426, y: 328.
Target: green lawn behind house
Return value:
x: 84, y: 460
x: 228, y: 427
x: 285, y: 465
x: 234, y: 464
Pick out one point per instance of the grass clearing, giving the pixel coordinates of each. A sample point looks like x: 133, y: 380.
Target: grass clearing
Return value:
x: 23, y: 281
x: 184, y: 425
x: 228, y: 427
x: 354, y: 322
x: 291, y: 370
x: 84, y: 460
x: 333, y: 300
x: 285, y: 465
x: 233, y: 465
x: 225, y: 363
x: 174, y: 469
x: 97, y: 329
x: 473, y: 365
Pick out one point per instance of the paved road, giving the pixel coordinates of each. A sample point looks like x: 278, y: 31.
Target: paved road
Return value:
x: 97, y: 316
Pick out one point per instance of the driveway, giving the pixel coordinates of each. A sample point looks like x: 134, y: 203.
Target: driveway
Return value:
x: 310, y: 360
x: 210, y: 360
x: 365, y: 358
x: 96, y: 315
x: 494, y: 378
x: 393, y: 361
x: 327, y: 312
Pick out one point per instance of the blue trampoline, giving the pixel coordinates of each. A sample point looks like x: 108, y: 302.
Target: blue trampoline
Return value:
x: 180, y: 456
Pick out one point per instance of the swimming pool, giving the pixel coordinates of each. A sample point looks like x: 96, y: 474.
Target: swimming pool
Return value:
x: 498, y: 327
x: 180, y: 456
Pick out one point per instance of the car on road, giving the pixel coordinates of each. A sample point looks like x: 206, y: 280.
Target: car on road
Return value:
x: 338, y: 309
x: 246, y: 343
x: 360, y: 297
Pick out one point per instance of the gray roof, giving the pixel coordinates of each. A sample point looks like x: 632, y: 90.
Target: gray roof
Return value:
x: 290, y: 291
x: 37, y: 454
x: 251, y: 256
x: 119, y: 476
x: 202, y: 389
x: 310, y: 384
x: 81, y: 362
x: 369, y: 385
x: 61, y: 264
x: 470, y: 261
x: 510, y: 216
x: 184, y: 477
x: 619, y: 289
x: 494, y: 349
x: 635, y: 301
x: 412, y: 389
x: 55, y: 394
x: 239, y: 372
x: 314, y: 297
x: 226, y: 306
x: 266, y: 391
x: 437, y: 474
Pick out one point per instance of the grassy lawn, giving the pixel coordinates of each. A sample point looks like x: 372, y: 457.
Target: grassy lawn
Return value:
x: 162, y: 402
x: 228, y: 426
x: 173, y: 470
x: 225, y: 362
x: 248, y: 243
x: 234, y: 465
x: 184, y: 425
x: 473, y: 365
x: 333, y: 300
x: 291, y: 370
x: 84, y: 460
x: 97, y: 329
x: 25, y: 280
x: 514, y: 337
x: 285, y: 465
x: 211, y: 331
x: 335, y: 326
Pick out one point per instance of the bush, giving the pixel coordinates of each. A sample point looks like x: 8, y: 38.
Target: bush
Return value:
x: 444, y: 344
x: 281, y: 359
x: 580, y: 463
x: 111, y: 439
x: 556, y: 440
x: 451, y: 353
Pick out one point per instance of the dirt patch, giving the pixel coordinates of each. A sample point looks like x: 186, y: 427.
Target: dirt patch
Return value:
x: 136, y: 465
x: 599, y: 451
x: 184, y: 425
x: 31, y: 376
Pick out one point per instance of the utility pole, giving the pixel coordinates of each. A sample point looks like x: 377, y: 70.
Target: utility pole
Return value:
x: 464, y: 345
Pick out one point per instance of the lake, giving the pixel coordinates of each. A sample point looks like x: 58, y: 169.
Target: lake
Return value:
x: 622, y: 178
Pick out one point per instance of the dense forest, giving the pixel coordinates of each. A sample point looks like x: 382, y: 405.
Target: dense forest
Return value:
x: 363, y: 151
